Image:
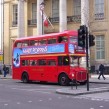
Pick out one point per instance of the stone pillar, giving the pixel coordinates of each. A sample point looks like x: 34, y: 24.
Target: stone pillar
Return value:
x: 85, y: 12
x: 21, y: 27
x: 62, y: 15
x: 39, y: 18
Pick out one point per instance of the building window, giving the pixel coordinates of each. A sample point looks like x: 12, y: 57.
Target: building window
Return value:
x: 34, y: 13
x: 99, y: 9
x: 15, y: 15
x: 55, y: 8
x: 77, y: 7
x: 100, y: 47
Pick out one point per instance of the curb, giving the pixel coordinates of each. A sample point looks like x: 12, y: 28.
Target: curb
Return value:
x: 7, y: 77
x: 82, y: 91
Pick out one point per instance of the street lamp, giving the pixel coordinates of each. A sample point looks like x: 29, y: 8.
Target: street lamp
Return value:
x: 42, y: 13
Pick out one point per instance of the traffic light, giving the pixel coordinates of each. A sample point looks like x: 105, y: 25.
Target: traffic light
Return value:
x: 82, y: 32
x: 91, y: 40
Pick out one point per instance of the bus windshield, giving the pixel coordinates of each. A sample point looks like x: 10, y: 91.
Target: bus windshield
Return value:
x: 75, y: 61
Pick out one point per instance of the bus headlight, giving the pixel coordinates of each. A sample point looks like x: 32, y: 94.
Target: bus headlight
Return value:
x: 72, y: 75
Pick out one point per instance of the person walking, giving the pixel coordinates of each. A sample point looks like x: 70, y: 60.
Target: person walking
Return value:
x: 101, y: 71
x: 4, y: 70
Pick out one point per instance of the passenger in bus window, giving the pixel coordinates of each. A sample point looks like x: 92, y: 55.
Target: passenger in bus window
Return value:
x: 33, y: 63
x: 64, y: 39
x: 32, y: 42
x: 36, y: 43
x: 24, y: 44
x: 42, y: 42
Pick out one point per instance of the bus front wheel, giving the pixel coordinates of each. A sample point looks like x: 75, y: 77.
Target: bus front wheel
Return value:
x: 63, y: 80
x: 25, y: 78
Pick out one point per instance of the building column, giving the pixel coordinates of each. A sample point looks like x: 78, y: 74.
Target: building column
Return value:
x: 39, y: 18
x: 21, y: 23
x: 85, y: 12
x: 62, y: 15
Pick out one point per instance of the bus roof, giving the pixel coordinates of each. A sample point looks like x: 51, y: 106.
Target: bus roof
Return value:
x: 67, y: 32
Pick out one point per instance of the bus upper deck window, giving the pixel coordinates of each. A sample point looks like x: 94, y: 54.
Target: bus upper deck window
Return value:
x: 33, y: 42
x: 73, y: 39
x: 43, y: 41
x: 36, y: 43
x: 25, y: 43
x: 18, y: 44
x: 62, y: 39
x: 51, y: 41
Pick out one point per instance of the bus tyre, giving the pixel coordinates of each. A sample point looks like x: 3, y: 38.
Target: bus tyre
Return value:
x: 25, y: 78
x: 63, y: 80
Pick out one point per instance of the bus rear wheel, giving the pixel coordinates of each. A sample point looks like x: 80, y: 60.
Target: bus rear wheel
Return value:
x: 25, y: 78
x: 63, y: 80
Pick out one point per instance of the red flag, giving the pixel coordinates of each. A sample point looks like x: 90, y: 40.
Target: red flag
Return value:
x: 45, y: 20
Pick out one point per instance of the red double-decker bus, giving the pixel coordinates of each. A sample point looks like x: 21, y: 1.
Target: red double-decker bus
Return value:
x: 49, y: 58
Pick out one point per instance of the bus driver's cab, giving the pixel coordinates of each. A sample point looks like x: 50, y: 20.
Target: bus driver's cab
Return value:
x: 71, y: 64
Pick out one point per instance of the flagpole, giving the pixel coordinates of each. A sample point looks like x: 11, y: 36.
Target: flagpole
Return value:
x: 42, y: 10
x: 42, y: 23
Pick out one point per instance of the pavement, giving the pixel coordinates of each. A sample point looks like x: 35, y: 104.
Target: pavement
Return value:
x: 80, y: 90
x: 8, y: 76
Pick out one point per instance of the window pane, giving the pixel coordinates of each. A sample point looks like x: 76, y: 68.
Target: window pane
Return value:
x: 18, y: 44
x: 44, y: 41
x: 51, y: 62
x: 25, y: 43
x: 34, y: 11
x: 65, y: 60
x: 73, y: 39
x: 33, y: 62
x: 25, y: 62
x: 100, y: 47
x: 15, y: 13
x: 99, y: 9
x: 77, y: 7
x: 42, y: 62
x: 51, y: 41
x: 55, y: 8
x: 34, y: 43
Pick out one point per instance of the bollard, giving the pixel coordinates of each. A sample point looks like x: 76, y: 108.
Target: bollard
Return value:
x: 73, y: 82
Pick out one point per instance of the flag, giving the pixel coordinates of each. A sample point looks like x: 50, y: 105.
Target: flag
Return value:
x: 45, y: 20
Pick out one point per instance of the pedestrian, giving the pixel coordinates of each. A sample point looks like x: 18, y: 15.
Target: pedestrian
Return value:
x: 4, y: 70
x: 101, y: 71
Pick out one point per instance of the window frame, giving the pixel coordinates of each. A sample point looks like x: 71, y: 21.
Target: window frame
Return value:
x: 101, y: 47
x: 34, y: 13
x: 55, y: 8
x: 99, y: 10
x: 14, y: 14
x: 77, y: 7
